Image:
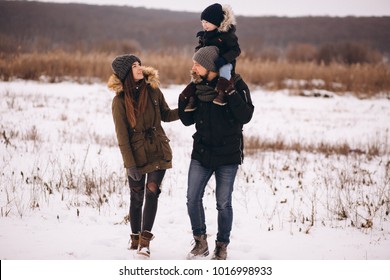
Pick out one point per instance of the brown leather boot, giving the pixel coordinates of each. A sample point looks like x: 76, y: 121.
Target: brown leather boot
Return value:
x: 143, y: 246
x: 220, y: 251
x: 191, y: 106
x: 134, y: 240
x: 201, y: 248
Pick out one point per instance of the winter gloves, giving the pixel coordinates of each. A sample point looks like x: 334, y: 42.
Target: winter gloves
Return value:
x: 187, y: 92
x: 133, y: 173
x: 225, y: 86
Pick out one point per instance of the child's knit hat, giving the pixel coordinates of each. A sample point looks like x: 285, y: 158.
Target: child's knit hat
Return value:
x: 213, y: 14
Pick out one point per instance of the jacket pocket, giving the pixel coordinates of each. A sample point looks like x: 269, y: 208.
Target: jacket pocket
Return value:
x: 229, y: 145
x: 139, y: 153
x: 198, y: 146
x: 165, y: 147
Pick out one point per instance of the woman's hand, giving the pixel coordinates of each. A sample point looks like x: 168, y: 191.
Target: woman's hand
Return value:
x: 134, y: 174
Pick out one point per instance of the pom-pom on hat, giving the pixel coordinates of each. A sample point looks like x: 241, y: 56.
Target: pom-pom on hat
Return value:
x: 213, y: 14
x: 121, y: 65
x: 206, y: 57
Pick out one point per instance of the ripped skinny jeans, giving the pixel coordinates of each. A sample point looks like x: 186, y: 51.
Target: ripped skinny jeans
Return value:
x: 144, y: 200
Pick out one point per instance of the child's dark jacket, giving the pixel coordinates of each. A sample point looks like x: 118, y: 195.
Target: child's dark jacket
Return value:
x: 224, y: 38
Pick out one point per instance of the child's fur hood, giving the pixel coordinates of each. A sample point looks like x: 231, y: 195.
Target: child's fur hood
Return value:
x: 228, y: 19
x: 150, y: 75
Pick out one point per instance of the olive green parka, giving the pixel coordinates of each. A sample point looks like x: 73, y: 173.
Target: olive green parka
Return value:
x: 145, y: 146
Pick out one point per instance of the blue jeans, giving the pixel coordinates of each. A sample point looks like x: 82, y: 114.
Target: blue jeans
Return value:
x: 198, y: 176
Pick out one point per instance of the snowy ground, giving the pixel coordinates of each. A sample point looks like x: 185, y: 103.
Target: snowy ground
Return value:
x: 63, y: 193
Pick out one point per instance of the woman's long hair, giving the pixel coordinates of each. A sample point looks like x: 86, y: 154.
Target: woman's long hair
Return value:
x: 133, y: 110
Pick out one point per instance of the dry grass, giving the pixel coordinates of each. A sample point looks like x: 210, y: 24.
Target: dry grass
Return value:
x: 361, y: 79
x: 256, y: 144
x: 364, y: 80
x: 55, y: 66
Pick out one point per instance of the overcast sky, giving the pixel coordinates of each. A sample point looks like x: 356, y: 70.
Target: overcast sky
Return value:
x: 263, y: 7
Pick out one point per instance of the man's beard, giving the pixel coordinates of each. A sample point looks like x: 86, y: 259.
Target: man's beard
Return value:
x: 204, y: 77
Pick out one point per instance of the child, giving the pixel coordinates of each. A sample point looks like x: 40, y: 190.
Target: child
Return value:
x: 219, y: 27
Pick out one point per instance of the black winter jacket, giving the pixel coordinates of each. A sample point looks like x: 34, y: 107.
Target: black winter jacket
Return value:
x: 218, y: 139
x: 226, y: 42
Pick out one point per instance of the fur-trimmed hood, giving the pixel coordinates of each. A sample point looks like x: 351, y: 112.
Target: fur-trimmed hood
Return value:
x: 228, y: 19
x: 150, y: 75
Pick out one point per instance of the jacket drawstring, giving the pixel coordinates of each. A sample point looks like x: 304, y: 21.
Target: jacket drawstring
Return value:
x: 149, y: 133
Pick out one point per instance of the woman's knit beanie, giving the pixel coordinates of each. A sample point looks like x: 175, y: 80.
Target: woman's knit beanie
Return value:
x: 121, y: 65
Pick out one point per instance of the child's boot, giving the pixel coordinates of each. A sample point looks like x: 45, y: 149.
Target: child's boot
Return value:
x: 220, y: 99
x: 191, y: 106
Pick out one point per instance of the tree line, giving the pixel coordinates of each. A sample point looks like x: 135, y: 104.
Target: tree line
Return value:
x: 43, y: 27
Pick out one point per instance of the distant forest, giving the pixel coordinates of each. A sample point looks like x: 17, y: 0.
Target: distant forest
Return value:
x: 36, y: 26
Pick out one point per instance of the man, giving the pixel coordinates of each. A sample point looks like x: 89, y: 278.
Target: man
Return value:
x: 217, y: 148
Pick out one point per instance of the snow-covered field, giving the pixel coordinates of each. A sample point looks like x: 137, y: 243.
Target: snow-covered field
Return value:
x: 64, y: 195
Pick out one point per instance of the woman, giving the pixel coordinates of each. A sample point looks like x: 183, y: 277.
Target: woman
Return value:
x: 138, y: 109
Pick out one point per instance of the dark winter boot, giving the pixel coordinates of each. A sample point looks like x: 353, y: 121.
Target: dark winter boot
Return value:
x: 134, y: 240
x: 224, y: 87
x: 191, y: 106
x: 143, y: 246
x: 220, y: 251
x: 201, y: 248
x: 220, y: 99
